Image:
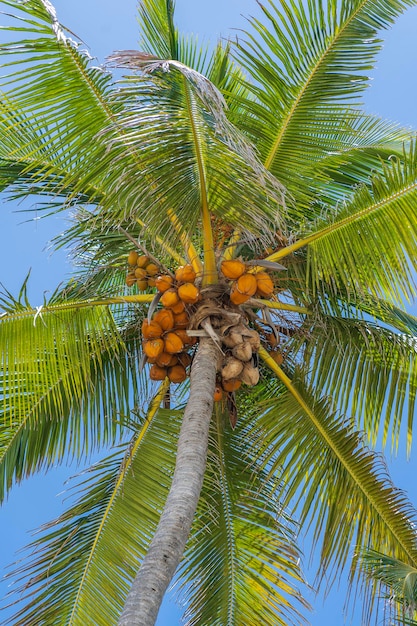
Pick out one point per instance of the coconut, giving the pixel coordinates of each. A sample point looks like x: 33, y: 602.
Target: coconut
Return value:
x: 157, y: 373
x: 165, y: 318
x: 133, y: 257
x: 243, y: 351
x: 153, y: 348
x: 142, y: 284
x: 236, y: 296
x: 142, y: 261
x: 178, y: 308
x: 152, y: 269
x: 232, y: 368
x: 151, y: 281
x: 188, y: 293
x: 164, y: 359
x: 181, y: 320
x: 151, y: 330
x: 163, y: 282
x: 185, y: 359
x: 252, y: 337
x: 233, y: 269
x: 249, y: 375
x: 130, y: 279
x: 169, y: 298
x: 265, y: 286
x: 247, y: 284
x: 140, y: 272
x: 177, y: 373
x: 232, y: 339
x: 218, y: 394
x: 185, y: 274
x: 173, y: 343
x: 231, y: 385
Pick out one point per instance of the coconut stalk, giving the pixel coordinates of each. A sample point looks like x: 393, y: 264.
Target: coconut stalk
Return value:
x: 167, y: 546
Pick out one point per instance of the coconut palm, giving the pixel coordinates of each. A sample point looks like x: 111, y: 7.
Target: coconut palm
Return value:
x: 254, y: 167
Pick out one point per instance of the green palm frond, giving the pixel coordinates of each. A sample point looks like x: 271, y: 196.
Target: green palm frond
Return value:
x: 380, y: 225
x: 55, y: 115
x: 69, y: 375
x: 399, y: 578
x: 309, y: 64
x: 241, y: 563
x: 178, y: 118
x: 367, y: 245
x: 340, y: 488
x: 369, y: 371
x: 104, y: 535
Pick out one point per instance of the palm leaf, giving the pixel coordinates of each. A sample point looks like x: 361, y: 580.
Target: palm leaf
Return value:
x: 309, y: 64
x: 368, y: 244
x: 68, y: 378
x: 369, y: 372
x: 103, y: 535
x: 340, y: 488
x: 241, y: 563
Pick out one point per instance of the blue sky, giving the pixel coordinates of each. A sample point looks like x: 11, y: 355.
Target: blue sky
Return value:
x: 107, y: 26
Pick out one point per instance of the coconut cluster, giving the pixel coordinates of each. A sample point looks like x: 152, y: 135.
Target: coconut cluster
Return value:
x: 240, y: 346
x: 246, y: 281
x: 141, y: 272
x: 166, y: 342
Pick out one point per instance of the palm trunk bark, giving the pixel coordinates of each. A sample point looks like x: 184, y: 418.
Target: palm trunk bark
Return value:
x: 167, y: 546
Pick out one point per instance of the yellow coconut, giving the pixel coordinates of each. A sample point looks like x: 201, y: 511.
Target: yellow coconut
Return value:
x: 140, y: 272
x: 188, y: 293
x: 185, y: 274
x: 236, y: 296
x: 153, y: 348
x: 247, y: 284
x: 173, y: 343
x: 152, y: 269
x: 142, y: 261
x: 151, y: 330
x: 130, y: 279
x: 178, y: 308
x: 169, y: 298
x: 164, y: 359
x: 133, y: 257
x: 163, y: 282
x: 233, y: 269
x: 181, y: 320
x: 265, y: 286
x: 165, y: 318
x: 142, y: 284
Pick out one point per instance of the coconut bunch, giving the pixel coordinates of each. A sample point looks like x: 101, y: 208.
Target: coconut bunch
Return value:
x: 166, y: 342
x: 240, y: 346
x: 246, y: 281
x: 141, y: 272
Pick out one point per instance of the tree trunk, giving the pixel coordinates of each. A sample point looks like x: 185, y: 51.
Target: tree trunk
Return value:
x: 167, y: 546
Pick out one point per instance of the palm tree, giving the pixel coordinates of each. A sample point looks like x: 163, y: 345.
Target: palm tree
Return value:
x: 256, y: 156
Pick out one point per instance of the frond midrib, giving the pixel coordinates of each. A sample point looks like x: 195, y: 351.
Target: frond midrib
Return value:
x: 349, y: 219
x: 305, y: 86
x: 411, y: 552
